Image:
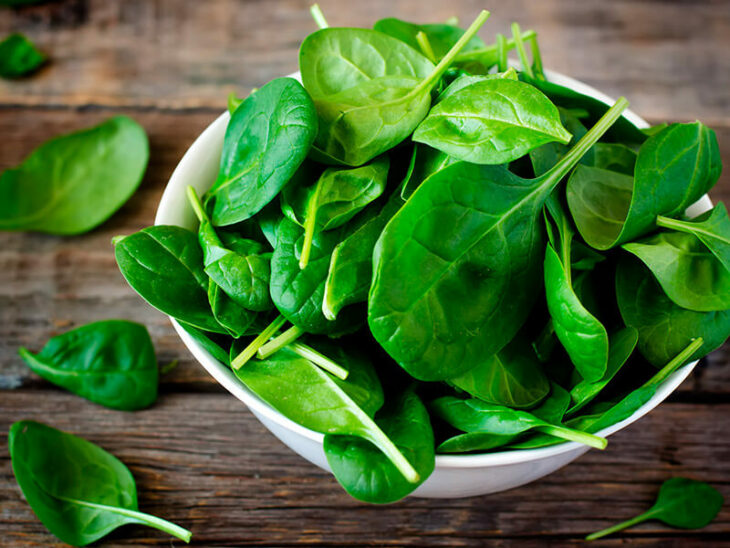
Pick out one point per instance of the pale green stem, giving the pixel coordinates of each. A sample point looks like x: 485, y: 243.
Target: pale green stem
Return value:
x: 453, y: 21
x: 425, y: 46
x: 318, y: 16
x: 146, y: 519
x: 574, y: 435
x: 165, y: 369
x: 501, y: 53
x: 623, y: 525
x: 537, y: 57
x: 446, y: 61
x: 319, y: 359
x: 117, y: 239
x: 677, y: 361
x: 279, y: 342
x: 396, y: 457
x: 521, y: 51
x: 310, y: 224
x: 475, y: 53
x: 196, y: 204
x: 257, y: 343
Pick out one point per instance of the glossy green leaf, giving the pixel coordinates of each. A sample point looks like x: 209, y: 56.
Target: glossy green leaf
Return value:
x: 664, y: 328
x: 365, y: 472
x: 673, y: 170
x: 689, y: 273
x: 208, y: 342
x: 442, y: 37
x: 427, y: 161
x: 466, y: 80
x: 75, y: 182
x: 492, y: 122
x: 161, y: 263
x: 472, y: 234
x: 110, y: 362
x: 80, y: 492
x: 267, y: 138
x: 232, y: 316
x: 19, y: 57
x: 614, y: 157
x: 546, y: 156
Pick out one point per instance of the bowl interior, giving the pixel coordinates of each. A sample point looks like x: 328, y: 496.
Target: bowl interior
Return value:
x: 199, y: 168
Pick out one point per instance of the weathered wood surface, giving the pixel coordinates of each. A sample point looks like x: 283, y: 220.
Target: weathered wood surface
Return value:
x: 201, y: 459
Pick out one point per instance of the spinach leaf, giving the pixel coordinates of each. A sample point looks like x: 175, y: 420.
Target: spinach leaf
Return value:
x: 664, y: 328
x: 110, y: 362
x: 19, y: 57
x: 426, y: 162
x: 674, y: 168
x: 492, y: 122
x: 474, y: 415
x: 208, y: 342
x: 161, y: 263
x: 228, y: 313
x: 614, y: 157
x: 621, y: 345
x: 370, y: 90
x: 327, y: 407
x: 682, y: 502
x: 365, y: 472
x: 479, y: 61
x: 269, y: 135
x: 80, y: 492
x: 546, y: 156
x: 476, y: 280
x: 63, y: 187
x: 711, y: 228
x: 466, y: 80
x: 688, y: 272
x: 512, y: 377
x: 442, y: 37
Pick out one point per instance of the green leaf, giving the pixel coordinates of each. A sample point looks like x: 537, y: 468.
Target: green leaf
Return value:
x: 161, y: 263
x: 614, y: 157
x: 492, y: 122
x: 19, y: 57
x: 267, y: 138
x: 65, y: 185
x: 80, y: 492
x: 427, y: 161
x: 513, y: 377
x: 682, y: 502
x: 365, y: 472
x: 236, y: 319
x: 474, y: 282
x: 442, y: 37
x: 110, y: 362
x: 664, y: 328
x: 688, y: 272
x: 466, y: 80
x: 674, y: 168
x: 207, y: 341
x: 327, y: 407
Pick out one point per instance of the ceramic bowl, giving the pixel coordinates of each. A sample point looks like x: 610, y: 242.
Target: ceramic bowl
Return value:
x: 454, y: 475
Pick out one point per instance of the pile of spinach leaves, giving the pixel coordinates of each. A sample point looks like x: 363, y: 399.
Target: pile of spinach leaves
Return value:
x: 419, y: 249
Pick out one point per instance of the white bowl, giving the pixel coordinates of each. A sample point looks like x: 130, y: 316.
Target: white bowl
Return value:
x: 454, y: 475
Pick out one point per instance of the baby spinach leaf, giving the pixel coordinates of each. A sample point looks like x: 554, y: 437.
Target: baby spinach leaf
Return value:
x: 614, y: 157
x: 479, y: 61
x: 711, y: 228
x: 427, y: 161
x: 682, y: 502
x: 269, y: 135
x: 512, y: 377
x: 327, y: 407
x: 19, y: 57
x: 674, y: 168
x: 466, y: 80
x: 80, y: 492
x: 110, y: 362
x: 474, y: 415
x: 378, y: 98
x: 365, y: 472
x: 621, y: 345
x: 208, y: 342
x: 664, y: 328
x: 442, y: 37
x: 492, y: 122
x: 546, y: 156
x: 236, y: 319
x: 161, y: 263
x: 64, y: 186
x: 688, y: 272
x: 476, y: 280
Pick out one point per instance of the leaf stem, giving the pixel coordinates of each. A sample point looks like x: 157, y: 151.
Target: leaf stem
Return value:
x: 117, y: 239
x: 196, y: 204
x: 574, y: 435
x: 676, y: 362
x: 425, y: 46
x: 673, y: 224
x: 447, y: 59
x: 521, y: 51
x: 310, y: 224
x: 249, y: 352
x: 536, y: 57
x: 318, y: 16
x: 279, y: 342
x: 452, y: 21
x: 140, y: 517
x: 623, y: 525
x: 474, y: 54
x: 501, y: 52
x: 319, y: 359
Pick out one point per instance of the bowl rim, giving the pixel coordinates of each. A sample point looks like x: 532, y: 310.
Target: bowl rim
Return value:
x: 211, y: 138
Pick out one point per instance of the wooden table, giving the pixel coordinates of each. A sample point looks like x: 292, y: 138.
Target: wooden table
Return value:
x: 200, y: 458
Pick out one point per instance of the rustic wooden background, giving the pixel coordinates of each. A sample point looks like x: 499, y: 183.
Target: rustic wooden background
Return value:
x: 199, y: 456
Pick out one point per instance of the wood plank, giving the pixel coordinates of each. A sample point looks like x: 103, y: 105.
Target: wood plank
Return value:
x: 668, y: 57
x: 203, y: 461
